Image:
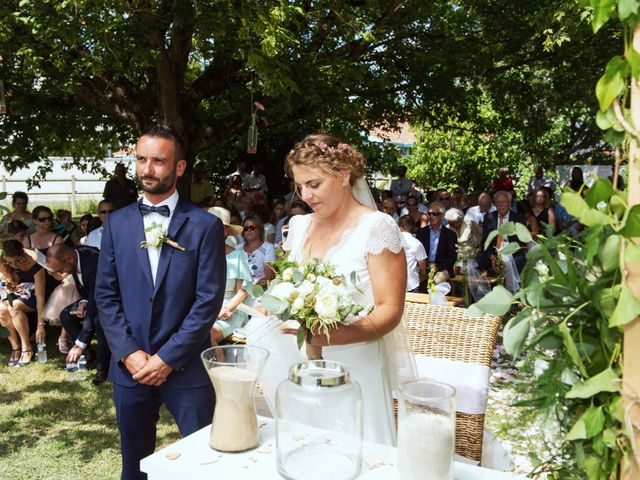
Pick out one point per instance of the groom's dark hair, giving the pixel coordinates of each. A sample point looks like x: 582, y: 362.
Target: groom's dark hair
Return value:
x: 166, y: 131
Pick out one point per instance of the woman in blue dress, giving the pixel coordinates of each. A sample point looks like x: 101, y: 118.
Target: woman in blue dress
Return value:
x: 238, y: 281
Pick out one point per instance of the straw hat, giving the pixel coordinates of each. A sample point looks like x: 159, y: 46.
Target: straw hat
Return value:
x: 224, y: 215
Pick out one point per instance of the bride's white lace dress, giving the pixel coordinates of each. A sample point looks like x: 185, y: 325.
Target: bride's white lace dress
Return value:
x: 371, y: 235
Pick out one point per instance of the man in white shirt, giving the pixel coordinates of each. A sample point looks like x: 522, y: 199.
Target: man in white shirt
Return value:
x: 255, y: 185
x: 539, y: 180
x: 415, y: 253
x: 105, y: 207
x: 485, y: 205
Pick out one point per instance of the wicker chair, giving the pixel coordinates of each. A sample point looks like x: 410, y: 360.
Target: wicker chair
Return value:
x: 445, y: 332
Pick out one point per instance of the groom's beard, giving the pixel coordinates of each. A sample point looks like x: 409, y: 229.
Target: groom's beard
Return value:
x: 160, y: 185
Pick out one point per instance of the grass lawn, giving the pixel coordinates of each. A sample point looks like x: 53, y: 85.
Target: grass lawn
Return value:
x: 52, y: 429
x: 56, y: 430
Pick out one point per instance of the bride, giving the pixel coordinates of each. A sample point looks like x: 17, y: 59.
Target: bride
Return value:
x: 346, y: 231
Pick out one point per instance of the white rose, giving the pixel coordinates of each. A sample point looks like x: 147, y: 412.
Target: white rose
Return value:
x: 305, y: 288
x: 283, y: 290
x: 297, y: 305
x: 156, y: 238
x: 326, y: 305
x: 311, y: 277
x: 287, y: 275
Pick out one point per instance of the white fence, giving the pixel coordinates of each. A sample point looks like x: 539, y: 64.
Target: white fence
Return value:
x: 62, y: 184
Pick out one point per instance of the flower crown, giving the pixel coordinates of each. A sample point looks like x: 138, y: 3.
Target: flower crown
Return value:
x: 324, y: 148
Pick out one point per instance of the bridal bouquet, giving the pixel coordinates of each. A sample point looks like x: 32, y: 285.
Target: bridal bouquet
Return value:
x: 314, y: 295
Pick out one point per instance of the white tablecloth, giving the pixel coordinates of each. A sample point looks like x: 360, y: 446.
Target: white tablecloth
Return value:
x: 197, y: 461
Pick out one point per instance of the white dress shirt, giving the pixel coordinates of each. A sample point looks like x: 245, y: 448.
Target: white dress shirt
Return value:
x: 154, y: 217
x: 94, y: 238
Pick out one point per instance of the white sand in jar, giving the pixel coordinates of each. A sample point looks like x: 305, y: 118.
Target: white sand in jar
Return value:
x: 235, y: 426
x: 425, y: 447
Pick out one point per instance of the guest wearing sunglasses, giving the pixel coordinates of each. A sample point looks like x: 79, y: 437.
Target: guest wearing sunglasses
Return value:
x: 260, y: 253
x: 43, y: 237
x: 439, y: 242
x: 29, y: 279
x: 105, y: 207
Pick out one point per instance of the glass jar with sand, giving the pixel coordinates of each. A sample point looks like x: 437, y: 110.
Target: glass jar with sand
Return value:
x: 234, y: 370
x: 426, y: 430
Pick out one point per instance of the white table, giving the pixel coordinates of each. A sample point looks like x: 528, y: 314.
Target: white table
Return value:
x: 197, y: 461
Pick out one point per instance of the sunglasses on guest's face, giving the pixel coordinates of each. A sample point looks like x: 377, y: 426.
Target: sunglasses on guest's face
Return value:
x: 444, y: 199
x: 44, y: 219
x: 102, y: 212
x: 249, y: 228
x: 434, y: 214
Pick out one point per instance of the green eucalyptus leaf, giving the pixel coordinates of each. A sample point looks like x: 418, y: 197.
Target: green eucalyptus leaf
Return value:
x: 297, y: 277
x: 507, y: 229
x: 570, y: 345
x: 515, y: 333
x: 600, y: 191
x: 474, y: 311
x: 613, y: 137
x: 618, y: 204
x: 605, y: 381
x: 256, y: 291
x: 273, y: 304
x: 632, y: 226
x: 523, y: 233
x: 610, y: 253
x: 612, y: 84
x: 493, y: 234
x: 626, y: 8
x: 602, y: 120
x: 627, y: 309
x: 579, y: 208
x: 511, y: 248
x: 606, y: 299
x: 590, y: 424
x: 602, y: 9
x: 300, y: 337
x: 496, y: 302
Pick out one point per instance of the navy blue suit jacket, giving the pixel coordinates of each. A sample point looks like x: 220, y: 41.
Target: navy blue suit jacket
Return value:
x: 172, y: 319
x: 88, y: 266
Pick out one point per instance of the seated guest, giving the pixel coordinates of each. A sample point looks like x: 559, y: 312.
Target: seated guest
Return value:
x: 17, y: 230
x: 390, y: 207
x: 524, y: 209
x: 201, y: 188
x: 19, y: 202
x: 443, y: 197
x: 439, y: 242
x: 485, y: 205
x: 94, y: 238
x: 459, y: 199
x: 80, y: 319
x: 259, y: 252
x: 297, y: 208
x: 22, y: 271
x: 542, y: 208
x: 504, y: 183
x: 238, y: 281
x: 68, y: 228
x: 488, y: 256
x: 415, y: 253
x: 43, y: 237
x: 539, y: 180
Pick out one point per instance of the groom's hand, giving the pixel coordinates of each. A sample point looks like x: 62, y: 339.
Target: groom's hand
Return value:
x: 135, y: 361
x: 154, y: 372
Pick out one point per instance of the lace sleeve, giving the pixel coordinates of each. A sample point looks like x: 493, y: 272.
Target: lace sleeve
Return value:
x: 384, y: 234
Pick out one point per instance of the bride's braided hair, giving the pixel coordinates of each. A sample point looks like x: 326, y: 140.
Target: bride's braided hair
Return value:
x: 328, y: 153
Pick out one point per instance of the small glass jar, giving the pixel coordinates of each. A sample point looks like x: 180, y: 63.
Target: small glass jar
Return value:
x: 319, y: 423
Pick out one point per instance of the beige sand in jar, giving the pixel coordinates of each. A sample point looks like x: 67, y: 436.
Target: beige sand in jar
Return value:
x: 235, y: 425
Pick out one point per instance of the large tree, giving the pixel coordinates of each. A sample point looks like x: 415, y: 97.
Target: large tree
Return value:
x: 83, y: 75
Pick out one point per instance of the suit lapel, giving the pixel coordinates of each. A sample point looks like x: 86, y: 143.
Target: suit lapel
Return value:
x: 136, y: 227
x: 177, y: 221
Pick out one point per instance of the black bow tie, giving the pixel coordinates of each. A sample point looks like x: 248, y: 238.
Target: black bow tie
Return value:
x: 147, y: 209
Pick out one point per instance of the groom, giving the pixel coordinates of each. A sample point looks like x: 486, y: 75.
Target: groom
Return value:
x: 158, y: 303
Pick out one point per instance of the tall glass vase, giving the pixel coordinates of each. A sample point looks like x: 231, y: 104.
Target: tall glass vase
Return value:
x: 234, y: 370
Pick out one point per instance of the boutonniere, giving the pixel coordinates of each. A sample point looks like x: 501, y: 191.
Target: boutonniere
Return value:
x: 157, y: 236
